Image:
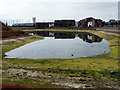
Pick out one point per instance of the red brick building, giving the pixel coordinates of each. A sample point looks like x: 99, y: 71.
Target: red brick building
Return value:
x: 90, y: 22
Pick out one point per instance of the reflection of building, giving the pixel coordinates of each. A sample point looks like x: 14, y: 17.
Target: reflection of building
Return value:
x: 90, y: 38
x: 87, y: 37
x: 90, y: 22
x: 64, y: 35
x: 64, y: 23
x: 42, y: 33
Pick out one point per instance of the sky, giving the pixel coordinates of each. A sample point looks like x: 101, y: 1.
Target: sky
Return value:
x: 15, y: 11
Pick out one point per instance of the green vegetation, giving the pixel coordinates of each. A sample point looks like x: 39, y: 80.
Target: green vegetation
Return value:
x: 75, y: 67
x: 102, y: 68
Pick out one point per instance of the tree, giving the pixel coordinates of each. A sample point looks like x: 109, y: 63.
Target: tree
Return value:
x: 105, y: 23
x: 6, y: 23
x: 112, y: 23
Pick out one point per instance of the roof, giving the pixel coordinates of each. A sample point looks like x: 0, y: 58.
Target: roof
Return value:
x: 112, y: 20
x: 23, y: 23
x: 65, y: 20
x: 44, y: 22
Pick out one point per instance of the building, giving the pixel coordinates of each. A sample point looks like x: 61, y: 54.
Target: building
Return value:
x: 64, y: 23
x: 24, y: 25
x: 90, y: 22
x: 57, y: 23
x: 44, y: 24
x: 112, y: 21
x: 34, y: 20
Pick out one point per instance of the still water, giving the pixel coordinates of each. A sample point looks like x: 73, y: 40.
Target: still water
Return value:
x: 62, y: 45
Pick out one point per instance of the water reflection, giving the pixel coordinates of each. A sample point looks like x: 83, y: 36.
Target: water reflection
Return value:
x: 62, y: 45
x: 85, y: 36
x: 90, y: 38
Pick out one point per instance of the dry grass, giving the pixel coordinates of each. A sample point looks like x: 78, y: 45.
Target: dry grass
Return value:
x: 8, y: 84
x: 112, y: 28
x: 12, y: 34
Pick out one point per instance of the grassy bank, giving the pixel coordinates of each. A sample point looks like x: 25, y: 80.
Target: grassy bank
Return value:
x: 102, y: 69
x: 9, y: 45
x: 70, y: 28
x: 112, y: 28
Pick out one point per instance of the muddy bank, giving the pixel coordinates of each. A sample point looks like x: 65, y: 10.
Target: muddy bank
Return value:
x: 29, y: 73
x: 74, y: 82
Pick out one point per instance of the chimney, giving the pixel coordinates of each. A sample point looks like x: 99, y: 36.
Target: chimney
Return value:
x: 34, y: 20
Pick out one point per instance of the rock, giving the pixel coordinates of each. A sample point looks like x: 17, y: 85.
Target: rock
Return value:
x: 107, y: 71
x: 16, y: 71
x: 50, y: 75
x: 49, y: 71
x: 26, y: 77
x: 84, y: 73
x: 87, y: 85
x: 25, y: 62
x: 112, y: 72
x: 32, y: 71
x: 107, y: 57
x: 25, y: 73
x: 72, y: 72
x: 3, y: 71
x: 82, y: 79
x: 117, y: 75
x: 58, y: 67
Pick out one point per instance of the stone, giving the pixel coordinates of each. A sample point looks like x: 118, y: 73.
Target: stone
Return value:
x: 112, y: 72
x: 87, y: 85
x: 82, y: 79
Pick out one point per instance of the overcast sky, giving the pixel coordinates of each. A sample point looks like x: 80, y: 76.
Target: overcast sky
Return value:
x: 49, y: 10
